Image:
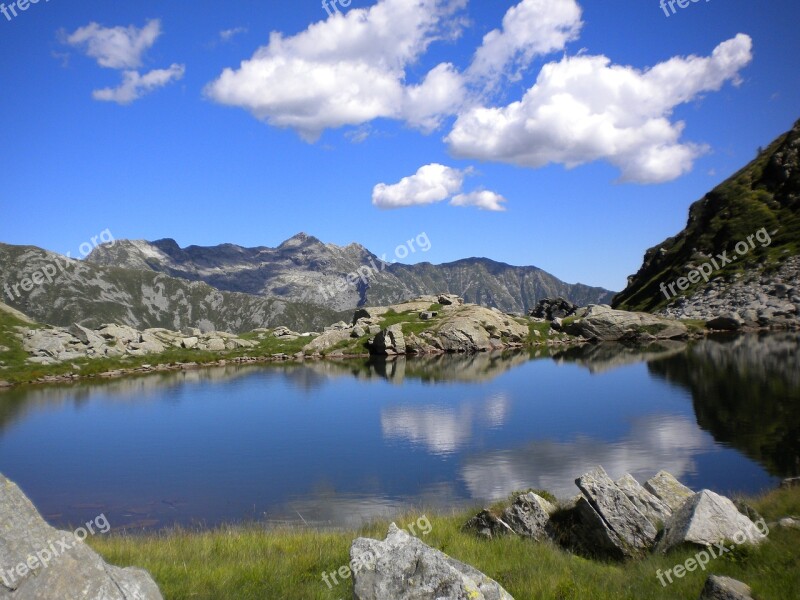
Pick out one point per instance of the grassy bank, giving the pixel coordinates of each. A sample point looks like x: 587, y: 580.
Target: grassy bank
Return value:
x: 251, y: 563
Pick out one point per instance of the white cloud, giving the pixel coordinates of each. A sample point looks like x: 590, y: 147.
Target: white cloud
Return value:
x: 434, y: 183
x: 531, y: 28
x: 483, y: 199
x: 583, y: 109
x: 431, y: 183
x: 116, y: 47
x: 226, y: 35
x: 348, y: 70
x: 134, y: 86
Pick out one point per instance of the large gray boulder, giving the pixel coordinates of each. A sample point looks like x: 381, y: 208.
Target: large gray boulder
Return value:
x: 602, y: 323
x: 617, y: 512
x: 402, y: 567
x: 706, y: 519
x: 649, y: 505
x: 528, y: 515
x: 488, y: 525
x: 725, y: 588
x: 668, y: 489
x: 47, y: 564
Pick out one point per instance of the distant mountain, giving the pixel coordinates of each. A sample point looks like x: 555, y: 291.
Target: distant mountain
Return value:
x: 91, y: 294
x: 304, y: 269
x: 763, y: 197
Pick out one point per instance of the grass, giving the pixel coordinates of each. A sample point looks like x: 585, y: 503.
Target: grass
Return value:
x: 250, y: 562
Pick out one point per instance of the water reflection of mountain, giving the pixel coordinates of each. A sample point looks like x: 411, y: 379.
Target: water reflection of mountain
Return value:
x: 746, y: 393
x: 607, y: 356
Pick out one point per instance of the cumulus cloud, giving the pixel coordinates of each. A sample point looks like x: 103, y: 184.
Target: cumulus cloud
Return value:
x: 431, y: 183
x: 349, y: 70
x: 531, y: 28
x: 116, y: 47
x: 584, y: 109
x: 122, y: 48
x: 483, y: 199
x: 134, y: 85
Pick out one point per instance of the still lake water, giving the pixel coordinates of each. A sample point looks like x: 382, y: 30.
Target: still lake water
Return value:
x: 340, y: 443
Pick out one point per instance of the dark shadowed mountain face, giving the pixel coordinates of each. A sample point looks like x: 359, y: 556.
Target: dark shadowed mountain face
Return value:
x: 764, y: 195
x: 304, y: 269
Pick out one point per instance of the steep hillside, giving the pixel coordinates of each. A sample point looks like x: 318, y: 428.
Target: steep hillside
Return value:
x: 72, y: 291
x: 758, y: 207
x: 305, y: 269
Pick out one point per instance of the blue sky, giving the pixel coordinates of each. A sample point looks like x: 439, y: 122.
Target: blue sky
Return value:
x: 500, y: 135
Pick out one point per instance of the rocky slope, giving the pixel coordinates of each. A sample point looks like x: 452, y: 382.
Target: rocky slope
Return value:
x: 303, y: 269
x: 72, y: 291
x: 745, y: 236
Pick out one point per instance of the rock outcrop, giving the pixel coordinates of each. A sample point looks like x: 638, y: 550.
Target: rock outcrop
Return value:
x: 553, y: 308
x: 668, y: 489
x: 46, y: 563
x: 402, y: 567
x: 602, y: 323
x: 725, y: 588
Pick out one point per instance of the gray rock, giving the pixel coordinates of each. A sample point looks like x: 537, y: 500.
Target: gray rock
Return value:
x: 327, y: 340
x: 602, y: 323
x: 617, y: 511
x: 76, y: 572
x: 449, y: 300
x: 789, y: 523
x: 528, y: 515
x: 705, y: 519
x: 488, y: 525
x: 428, y: 315
x: 390, y: 341
x: 402, y: 567
x: 553, y: 308
x: 190, y: 342
x: 215, y: 345
x: 358, y: 331
x: 790, y: 482
x: 726, y: 322
x: 648, y: 504
x: 725, y: 588
x: 669, y: 490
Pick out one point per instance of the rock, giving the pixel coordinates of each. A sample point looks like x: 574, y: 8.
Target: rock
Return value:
x: 340, y: 326
x: 77, y: 572
x: 190, y: 342
x: 553, y: 308
x: 86, y: 336
x: 215, y: 345
x: 402, y: 567
x: 789, y: 523
x: 390, y: 341
x: 617, y: 511
x: 748, y: 511
x: 191, y: 332
x: 528, y: 515
x: 648, y: 504
x: 790, y: 482
x: 369, y: 313
x: 488, y: 525
x: 705, y: 519
x: 602, y: 323
x: 583, y: 531
x: 669, y: 490
x: 327, y: 340
x: 428, y: 315
x: 358, y: 331
x: 725, y: 588
x: 449, y: 300
x: 727, y: 322
x: 284, y: 333
x: 119, y: 333
x: 4, y: 384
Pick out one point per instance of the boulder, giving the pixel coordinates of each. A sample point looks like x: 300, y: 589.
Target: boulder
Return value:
x: 190, y: 342
x: 73, y: 572
x: 449, y: 300
x: 528, y: 515
x: 617, y: 511
x: 725, y: 588
x: 727, y: 322
x: 428, y: 315
x: 583, y: 531
x: 358, y: 331
x: 705, y: 519
x: 790, y: 482
x: 119, y: 333
x: 553, y: 308
x: 215, y: 344
x: 390, y: 341
x: 488, y: 525
x: 402, y: 567
x: 649, y: 505
x: 284, y: 333
x: 668, y: 489
x: 602, y: 323
x: 327, y: 340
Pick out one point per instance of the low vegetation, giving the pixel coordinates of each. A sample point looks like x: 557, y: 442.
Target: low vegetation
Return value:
x: 250, y: 562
